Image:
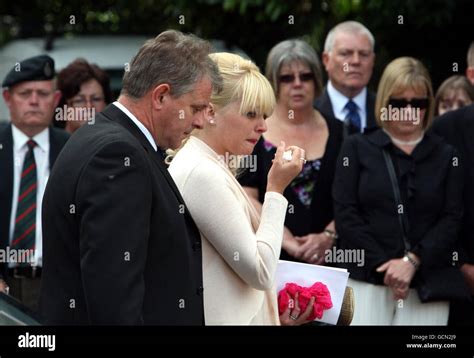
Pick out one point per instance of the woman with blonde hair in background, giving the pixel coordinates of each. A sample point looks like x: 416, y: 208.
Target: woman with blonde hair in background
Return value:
x: 240, y: 247
x: 398, y: 199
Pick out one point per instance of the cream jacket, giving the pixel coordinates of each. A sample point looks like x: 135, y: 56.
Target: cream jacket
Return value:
x: 240, y: 249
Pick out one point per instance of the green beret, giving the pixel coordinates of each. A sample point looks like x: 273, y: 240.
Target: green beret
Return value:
x: 38, y: 68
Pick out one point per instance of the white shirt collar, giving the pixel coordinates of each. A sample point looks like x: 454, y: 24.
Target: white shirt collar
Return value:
x: 20, y: 139
x: 339, y: 101
x: 139, y: 124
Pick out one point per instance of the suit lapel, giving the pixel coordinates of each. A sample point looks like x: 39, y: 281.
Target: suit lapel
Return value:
x: 113, y: 113
x: 323, y: 104
x: 54, y: 147
x: 370, y: 110
x: 6, y: 182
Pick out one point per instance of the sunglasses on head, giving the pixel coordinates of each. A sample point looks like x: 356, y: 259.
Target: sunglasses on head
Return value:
x: 421, y: 103
x: 304, y: 77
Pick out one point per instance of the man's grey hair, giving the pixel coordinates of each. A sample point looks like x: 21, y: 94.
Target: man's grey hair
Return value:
x: 173, y: 58
x: 470, y: 55
x: 351, y: 27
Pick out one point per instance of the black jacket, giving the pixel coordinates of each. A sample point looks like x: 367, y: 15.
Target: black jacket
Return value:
x: 57, y: 139
x: 457, y: 128
x: 119, y: 246
x: 365, y: 208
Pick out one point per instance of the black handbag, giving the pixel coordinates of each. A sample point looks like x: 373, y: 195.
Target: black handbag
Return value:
x: 434, y: 284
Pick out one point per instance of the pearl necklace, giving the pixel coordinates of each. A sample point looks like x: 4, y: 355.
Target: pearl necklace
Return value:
x: 405, y: 142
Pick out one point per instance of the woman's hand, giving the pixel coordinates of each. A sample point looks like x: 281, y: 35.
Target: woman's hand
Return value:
x: 313, y: 249
x: 283, y: 171
x: 398, y: 275
x: 3, y: 286
x: 292, y: 316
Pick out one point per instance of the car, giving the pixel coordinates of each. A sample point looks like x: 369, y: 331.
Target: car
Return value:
x: 111, y: 53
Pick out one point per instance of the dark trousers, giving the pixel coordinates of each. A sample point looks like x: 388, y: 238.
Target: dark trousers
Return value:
x: 26, y: 290
x: 461, y: 313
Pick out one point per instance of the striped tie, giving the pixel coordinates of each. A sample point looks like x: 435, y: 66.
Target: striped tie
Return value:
x: 25, y: 221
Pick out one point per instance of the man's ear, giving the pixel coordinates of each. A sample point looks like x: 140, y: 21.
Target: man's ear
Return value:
x: 470, y: 74
x: 57, y: 96
x: 159, y: 95
x: 325, y: 58
x: 7, y: 96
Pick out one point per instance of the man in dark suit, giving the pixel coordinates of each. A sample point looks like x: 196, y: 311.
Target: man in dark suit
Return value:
x: 120, y: 246
x: 349, y: 60
x: 29, y: 146
x: 457, y: 128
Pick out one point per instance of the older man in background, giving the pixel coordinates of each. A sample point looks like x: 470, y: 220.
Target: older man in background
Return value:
x: 29, y: 146
x: 349, y: 60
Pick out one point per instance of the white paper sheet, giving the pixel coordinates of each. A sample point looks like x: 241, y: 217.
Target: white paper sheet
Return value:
x: 306, y: 275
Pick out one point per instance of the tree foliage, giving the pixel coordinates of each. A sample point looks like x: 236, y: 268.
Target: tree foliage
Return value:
x: 257, y: 25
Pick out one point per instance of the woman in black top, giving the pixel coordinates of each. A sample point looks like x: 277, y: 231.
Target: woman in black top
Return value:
x: 430, y: 184
x: 294, y: 70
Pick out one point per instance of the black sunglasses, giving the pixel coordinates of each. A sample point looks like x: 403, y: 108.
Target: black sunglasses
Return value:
x: 304, y: 77
x: 421, y: 103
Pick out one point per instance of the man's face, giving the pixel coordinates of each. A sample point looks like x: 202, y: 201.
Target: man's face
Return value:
x: 350, y: 63
x: 180, y: 115
x: 32, y: 104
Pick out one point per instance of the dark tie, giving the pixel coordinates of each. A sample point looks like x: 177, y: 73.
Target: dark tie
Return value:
x: 25, y: 219
x: 353, y: 115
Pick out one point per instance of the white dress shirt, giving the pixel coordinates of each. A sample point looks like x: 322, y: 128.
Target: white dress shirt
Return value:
x: 339, y: 101
x: 41, y: 153
x: 139, y: 124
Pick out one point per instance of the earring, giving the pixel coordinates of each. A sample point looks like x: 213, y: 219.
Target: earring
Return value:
x: 212, y: 121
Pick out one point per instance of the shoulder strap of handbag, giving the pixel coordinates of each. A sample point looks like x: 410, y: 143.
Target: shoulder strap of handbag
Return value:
x: 396, y: 193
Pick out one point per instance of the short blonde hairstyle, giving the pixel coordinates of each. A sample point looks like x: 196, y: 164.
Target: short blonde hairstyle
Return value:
x: 401, y: 74
x: 242, y: 82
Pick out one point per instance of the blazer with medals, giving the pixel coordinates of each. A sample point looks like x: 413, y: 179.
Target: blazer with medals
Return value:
x: 57, y: 139
x: 119, y: 244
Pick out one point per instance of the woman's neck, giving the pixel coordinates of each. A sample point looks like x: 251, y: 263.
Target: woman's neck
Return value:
x: 405, y: 137
x: 294, y: 116
x: 209, y: 140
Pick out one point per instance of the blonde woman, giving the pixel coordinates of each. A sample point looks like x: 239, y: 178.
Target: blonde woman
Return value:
x: 402, y: 241
x: 240, y: 248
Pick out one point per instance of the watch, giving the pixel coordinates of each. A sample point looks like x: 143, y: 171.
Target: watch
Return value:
x: 408, y: 258
x: 331, y: 234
